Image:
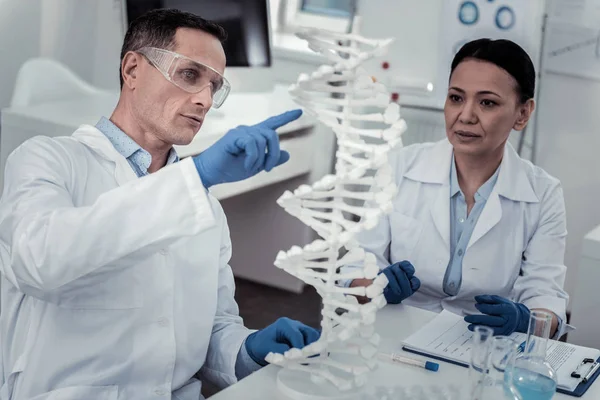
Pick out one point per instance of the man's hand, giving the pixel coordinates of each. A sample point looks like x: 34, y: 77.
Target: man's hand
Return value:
x: 279, y: 337
x: 244, y: 152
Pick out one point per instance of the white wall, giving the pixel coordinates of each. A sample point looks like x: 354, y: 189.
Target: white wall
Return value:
x: 425, y: 31
x: 86, y: 35
x: 568, y: 148
x: 413, y: 56
x: 19, y: 40
x: 584, y: 308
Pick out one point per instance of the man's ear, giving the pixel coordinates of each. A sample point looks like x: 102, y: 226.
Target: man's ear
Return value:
x: 130, y: 68
x: 525, y: 111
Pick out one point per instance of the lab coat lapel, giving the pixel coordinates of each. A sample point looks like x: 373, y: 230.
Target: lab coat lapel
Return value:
x: 440, y: 210
x: 490, y: 216
x: 513, y: 181
x: 433, y: 167
x: 98, y: 142
x: 512, y: 185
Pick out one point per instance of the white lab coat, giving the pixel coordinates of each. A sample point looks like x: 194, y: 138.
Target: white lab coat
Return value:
x: 113, y: 286
x: 516, y: 249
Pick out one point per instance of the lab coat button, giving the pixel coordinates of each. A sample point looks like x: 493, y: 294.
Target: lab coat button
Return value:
x: 163, y: 321
x: 164, y: 252
x: 160, y: 392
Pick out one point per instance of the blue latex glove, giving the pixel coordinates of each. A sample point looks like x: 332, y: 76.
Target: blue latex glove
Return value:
x: 500, y: 314
x: 279, y: 337
x: 241, y: 153
x: 402, y: 282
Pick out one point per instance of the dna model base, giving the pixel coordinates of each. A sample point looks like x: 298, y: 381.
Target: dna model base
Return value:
x: 302, y: 386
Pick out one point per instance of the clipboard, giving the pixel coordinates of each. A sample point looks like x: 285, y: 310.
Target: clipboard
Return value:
x: 582, y: 387
x: 578, y: 392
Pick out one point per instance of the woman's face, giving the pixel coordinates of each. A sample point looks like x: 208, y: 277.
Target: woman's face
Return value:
x: 482, y: 107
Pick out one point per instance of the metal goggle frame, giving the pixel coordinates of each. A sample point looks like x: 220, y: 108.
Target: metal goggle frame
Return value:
x: 187, y: 74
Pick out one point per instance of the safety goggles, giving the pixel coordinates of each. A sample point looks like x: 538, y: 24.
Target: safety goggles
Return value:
x: 187, y: 74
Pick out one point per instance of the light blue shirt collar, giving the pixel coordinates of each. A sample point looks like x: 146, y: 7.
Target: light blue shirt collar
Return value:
x: 139, y: 158
x: 484, y: 191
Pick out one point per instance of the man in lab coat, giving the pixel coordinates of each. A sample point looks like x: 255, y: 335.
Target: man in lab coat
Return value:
x: 114, y: 257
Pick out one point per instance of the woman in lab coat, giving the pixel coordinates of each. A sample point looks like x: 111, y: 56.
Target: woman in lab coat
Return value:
x: 484, y: 229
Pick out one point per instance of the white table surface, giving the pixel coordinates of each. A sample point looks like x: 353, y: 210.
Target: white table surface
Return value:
x: 394, y: 323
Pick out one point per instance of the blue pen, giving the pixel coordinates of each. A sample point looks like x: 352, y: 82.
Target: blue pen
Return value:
x: 522, y: 346
x: 519, y: 351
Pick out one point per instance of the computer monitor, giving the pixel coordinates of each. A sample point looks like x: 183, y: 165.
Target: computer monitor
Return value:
x: 248, y: 47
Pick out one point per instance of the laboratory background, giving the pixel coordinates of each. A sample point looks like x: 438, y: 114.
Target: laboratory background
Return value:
x: 60, y: 69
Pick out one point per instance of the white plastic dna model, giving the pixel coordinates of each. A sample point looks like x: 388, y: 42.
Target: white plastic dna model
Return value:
x: 342, y: 96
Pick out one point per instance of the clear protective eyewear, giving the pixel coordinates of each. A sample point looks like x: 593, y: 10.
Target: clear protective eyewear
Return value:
x: 187, y: 74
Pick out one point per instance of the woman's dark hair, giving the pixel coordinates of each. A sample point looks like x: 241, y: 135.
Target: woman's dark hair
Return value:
x: 505, y: 54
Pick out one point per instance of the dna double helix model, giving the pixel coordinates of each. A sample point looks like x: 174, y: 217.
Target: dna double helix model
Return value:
x: 367, y: 125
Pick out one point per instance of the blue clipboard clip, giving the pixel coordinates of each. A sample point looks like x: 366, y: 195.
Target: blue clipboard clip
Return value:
x: 591, y: 371
x: 587, y: 378
x: 577, y: 374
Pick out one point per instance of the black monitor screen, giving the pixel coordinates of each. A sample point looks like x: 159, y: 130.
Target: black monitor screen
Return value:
x: 246, y: 23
